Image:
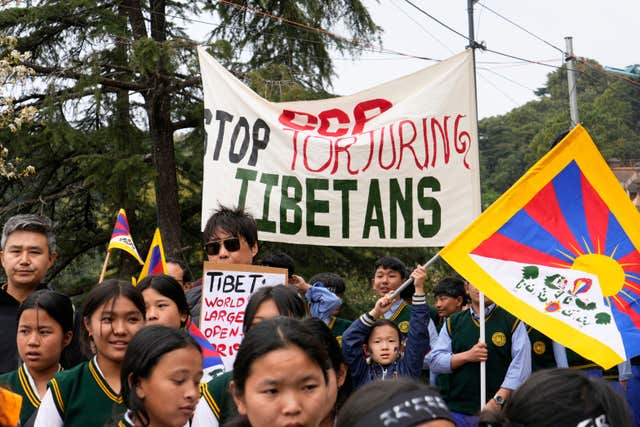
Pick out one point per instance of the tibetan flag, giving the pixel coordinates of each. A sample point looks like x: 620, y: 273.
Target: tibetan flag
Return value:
x: 211, y: 361
x: 155, y: 262
x: 559, y: 250
x: 121, y: 237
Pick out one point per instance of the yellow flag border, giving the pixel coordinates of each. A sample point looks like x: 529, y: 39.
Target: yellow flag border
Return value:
x: 576, y: 146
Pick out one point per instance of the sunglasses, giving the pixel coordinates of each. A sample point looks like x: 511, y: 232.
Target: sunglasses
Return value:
x: 231, y: 244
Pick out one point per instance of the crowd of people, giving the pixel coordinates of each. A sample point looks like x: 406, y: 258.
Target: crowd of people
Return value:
x: 125, y: 357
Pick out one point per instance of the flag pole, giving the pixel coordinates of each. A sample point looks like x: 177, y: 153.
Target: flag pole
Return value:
x: 409, y: 281
x: 474, y: 45
x: 104, y: 267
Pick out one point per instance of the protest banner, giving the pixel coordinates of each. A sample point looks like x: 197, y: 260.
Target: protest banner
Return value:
x: 395, y: 165
x: 559, y: 250
x: 226, y: 289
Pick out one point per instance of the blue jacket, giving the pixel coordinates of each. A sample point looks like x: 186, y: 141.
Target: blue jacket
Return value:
x: 408, y: 365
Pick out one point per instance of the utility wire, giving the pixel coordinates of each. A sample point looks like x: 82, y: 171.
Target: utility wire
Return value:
x: 608, y: 73
x: 515, y: 103
x: 506, y: 78
x: 422, y: 27
x: 507, y: 55
x: 522, y: 28
x: 437, y: 20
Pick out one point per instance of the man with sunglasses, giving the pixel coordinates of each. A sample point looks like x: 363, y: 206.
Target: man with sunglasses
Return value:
x: 230, y: 236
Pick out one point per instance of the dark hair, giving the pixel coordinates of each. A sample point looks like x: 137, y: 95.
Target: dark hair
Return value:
x: 170, y: 288
x: 57, y: 306
x: 561, y: 397
x: 144, y: 351
x: 276, y: 334
x: 187, y: 276
x: 102, y: 293
x: 329, y: 342
x: 451, y: 287
x: 30, y: 222
x: 280, y: 260
x: 233, y: 221
x: 393, y: 263
x: 286, y: 299
x: 331, y: 281
x: 375, y: 395
x: 383, y: 322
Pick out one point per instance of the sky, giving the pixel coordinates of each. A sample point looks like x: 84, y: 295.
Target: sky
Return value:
x: 606, y: 31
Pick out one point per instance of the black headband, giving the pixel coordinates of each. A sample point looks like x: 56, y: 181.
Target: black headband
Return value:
x: 408, y: 409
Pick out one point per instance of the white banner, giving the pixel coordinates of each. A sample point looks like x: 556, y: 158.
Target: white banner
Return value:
x: 395, y: 165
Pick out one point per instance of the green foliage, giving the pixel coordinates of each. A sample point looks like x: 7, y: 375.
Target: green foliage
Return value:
x: 509, y: 144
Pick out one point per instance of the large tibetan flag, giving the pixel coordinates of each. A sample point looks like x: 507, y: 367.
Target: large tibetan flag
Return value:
x: 212, y: 364
x: 156, y: 262
x: 121, y: 237
x: 559, y: 250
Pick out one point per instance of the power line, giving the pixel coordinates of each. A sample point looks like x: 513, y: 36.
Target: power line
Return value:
x: 515, y: 103
x: 423, y: 28
x: 507, y: 55
x: 522, y: 28
x: 608, y: 73
x: 437, y: 20
x: 506, y: 78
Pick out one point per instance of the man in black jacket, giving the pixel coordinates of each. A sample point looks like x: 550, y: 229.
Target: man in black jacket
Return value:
x: 28, y: 251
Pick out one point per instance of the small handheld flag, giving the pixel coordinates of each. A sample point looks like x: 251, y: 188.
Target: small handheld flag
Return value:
x: 211, y: 360
x: 121, y: 237
x: 156, y: 262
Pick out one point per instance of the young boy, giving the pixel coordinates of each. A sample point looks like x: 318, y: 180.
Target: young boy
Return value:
x: 450, y: 298
x: 372, y: 345
x: 459, y: 352
x: 389, y: 274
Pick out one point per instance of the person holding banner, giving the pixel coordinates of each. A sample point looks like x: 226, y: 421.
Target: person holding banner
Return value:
x: 373, y: 346
x: 230, y: 236
x: 459, y: 352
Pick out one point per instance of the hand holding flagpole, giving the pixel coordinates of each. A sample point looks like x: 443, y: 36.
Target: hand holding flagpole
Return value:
x: 409, y: 281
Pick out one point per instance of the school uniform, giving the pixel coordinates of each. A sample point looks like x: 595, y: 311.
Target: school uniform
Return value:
x: 79, y: 397
x: 10, y: 360
x: 338, y: 326
x: 216, y: 405
x: 400, y: 314
x: 21, y: 382
x: 508, y: 364
x: 127, y: 421
x: 545, y: 353
x: 408, y: 365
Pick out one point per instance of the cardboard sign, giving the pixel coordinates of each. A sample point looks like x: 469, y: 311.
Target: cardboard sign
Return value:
x: 226, y: 289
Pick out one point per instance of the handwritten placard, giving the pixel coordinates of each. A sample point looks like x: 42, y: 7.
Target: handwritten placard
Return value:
x: 226, y: 289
